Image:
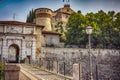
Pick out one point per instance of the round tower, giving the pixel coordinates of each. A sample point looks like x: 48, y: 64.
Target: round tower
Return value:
x: 43, y: 17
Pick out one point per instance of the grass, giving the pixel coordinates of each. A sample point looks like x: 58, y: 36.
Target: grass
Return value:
x: 1, y: 71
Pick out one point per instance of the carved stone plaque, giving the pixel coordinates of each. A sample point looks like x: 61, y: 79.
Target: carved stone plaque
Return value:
x: 28, y: 44
x: 14, y: 29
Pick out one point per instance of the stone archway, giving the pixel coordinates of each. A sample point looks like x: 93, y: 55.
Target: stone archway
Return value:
x: 13, y: 53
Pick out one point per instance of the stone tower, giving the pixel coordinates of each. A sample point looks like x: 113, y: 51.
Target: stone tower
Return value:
x: 43, y: 17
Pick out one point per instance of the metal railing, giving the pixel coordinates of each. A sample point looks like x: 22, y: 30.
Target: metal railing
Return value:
x: 104, y: 67
x: 49, y: 67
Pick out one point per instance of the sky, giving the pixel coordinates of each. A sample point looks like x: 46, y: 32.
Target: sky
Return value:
x: 22, y: 7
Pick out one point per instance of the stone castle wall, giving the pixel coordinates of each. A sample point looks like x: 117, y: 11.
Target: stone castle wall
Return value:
x: 45, y: 22
x: 43, y: 17
x: 20, y: 36
x: 79, y: 50
x: 48, y: 18
x: 105, y: 62
x: 1, y: 28
x: 44, y: 10
x: 38, y: 41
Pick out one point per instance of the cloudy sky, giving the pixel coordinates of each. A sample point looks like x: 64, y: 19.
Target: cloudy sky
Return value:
x: 22, y: 7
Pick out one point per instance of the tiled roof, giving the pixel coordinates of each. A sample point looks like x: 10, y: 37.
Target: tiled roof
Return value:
x: 50, y: 33
x: 63, y: 10
x: 19, y: 23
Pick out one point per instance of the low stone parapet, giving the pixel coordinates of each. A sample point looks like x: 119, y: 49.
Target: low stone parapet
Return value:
x: 15, y: 72
x: 26, y: 76
x: 12, y: 71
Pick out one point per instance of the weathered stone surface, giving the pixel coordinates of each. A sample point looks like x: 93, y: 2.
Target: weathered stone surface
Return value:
x: 76, y: 72
x: 44, y: 64
x: 23, y: 76
x: 16, y: 72
x: 12, y: 71
x: 55, y: 67
x: 105, y: 62
x: 27, y: 76
x: 20, y: 35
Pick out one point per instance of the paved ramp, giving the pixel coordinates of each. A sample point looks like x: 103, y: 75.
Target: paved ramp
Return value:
x: 41, y: 74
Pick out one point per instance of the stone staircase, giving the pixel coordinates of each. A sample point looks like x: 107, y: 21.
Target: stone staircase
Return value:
x: 14, y: 71
x: 42, y: 74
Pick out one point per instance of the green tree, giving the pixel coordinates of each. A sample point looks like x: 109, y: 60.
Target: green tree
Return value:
x: 60, y: 28
x: 106, y: 29
x: 116, y: 31
x: 79, y: 11
x: 1, y: 71
x: 76, y: 30
x: 31, y: 16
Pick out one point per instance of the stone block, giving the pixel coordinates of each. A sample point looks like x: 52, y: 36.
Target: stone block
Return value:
x: 55, y: 67
x: 12, y: 71
x: 77, y: 72
x: 44, y: 64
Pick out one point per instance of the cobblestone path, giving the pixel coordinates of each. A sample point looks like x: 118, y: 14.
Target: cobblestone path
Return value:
x: 41, y: 73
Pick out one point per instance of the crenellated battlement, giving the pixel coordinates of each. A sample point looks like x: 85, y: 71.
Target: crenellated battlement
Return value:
x: 43, y: 12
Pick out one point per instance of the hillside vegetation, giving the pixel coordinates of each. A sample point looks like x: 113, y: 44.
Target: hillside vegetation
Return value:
x: 106, y: 29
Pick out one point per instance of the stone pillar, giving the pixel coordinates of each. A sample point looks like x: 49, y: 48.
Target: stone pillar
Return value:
x: 5, y: 29
x: 23, y: 54
x: 34, y: 51
x: 34, y: 30
x: 56, y: 67
x: 0, y: 46
x: 44, y: 64
x: 12, y: 71
x: 80, y: 70
x: 23, y: 29
x: 4, y: 49
x: 77, y: 72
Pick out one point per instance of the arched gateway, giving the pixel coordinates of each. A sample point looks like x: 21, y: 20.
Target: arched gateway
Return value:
x: 19, y: 40
x: 13, y: 53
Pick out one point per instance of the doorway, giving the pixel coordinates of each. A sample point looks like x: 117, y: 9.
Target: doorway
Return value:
x: 13, y: 53
x: 28, y: 59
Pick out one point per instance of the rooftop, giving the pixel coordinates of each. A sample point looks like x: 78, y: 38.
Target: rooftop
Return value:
x: 19, y: 23
x: 52, y: 33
